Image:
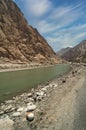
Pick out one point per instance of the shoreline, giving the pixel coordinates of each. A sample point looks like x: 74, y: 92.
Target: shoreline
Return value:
x: 41, y: 100
x: 7, y: 94
x: 18, y: 67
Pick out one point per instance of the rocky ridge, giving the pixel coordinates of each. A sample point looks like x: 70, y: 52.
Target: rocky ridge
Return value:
x: 75, y: 54
x: 19, y: 41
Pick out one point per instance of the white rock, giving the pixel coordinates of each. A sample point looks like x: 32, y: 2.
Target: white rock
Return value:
x: 44, y: 89
x: 1, y: 112
x: 8, y: 108
x: 16, y: 114
x: 55, y: 85
x: 6, y: 124
x: 30, y: 107
x: 30, y: 104
x: 41, y: 93
x: 29, y: 95
x: 50, y: 85
x: 9, y: 101
x: 30, y: 116
x: 20, y: 109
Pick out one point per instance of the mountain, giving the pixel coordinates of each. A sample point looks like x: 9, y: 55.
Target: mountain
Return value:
x: 63, y: 51
x: 77, y: 53
x: 18, y: 40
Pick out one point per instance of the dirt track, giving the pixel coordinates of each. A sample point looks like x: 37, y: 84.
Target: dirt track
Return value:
x: 61, y: 111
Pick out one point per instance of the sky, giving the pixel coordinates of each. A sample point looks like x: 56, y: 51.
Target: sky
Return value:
x: 61, y: 22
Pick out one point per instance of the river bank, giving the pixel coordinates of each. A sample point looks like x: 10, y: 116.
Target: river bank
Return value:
x: 49, y: 103
x: 6, y: 67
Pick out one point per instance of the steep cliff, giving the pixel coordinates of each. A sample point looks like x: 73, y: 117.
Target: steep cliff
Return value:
x: 18, y: 40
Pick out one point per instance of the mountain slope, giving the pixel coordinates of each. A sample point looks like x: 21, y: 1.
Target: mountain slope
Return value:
x: 76, y: 54
x: 63, y: 51
x: 20, y: 41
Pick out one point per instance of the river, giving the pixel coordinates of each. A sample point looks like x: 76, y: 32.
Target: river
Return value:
x: 15, y: 82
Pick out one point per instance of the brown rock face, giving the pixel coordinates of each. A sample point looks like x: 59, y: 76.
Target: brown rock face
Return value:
x: 18, y: 40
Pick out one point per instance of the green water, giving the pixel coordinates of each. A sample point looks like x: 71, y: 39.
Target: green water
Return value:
x: 13, y: 83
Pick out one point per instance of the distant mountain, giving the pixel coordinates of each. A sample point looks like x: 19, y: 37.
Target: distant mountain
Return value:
x: 76, y: 54
x: 20, y: 41
x: 62, y: 51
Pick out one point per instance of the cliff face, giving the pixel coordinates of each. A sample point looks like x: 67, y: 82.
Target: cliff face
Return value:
x: 20, y: 41
x: 76, y: 54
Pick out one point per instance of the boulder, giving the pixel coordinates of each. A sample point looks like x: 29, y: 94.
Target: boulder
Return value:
x: 29, y: 116
x: 6, y: 124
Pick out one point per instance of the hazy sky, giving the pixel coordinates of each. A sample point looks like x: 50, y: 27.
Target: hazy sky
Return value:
x: 61, y: 22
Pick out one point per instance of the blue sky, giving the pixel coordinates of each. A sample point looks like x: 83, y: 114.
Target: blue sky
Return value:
x: 61, y: 22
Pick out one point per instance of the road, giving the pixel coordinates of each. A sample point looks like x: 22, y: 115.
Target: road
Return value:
x: 66, y: 107
x: 80, y: 117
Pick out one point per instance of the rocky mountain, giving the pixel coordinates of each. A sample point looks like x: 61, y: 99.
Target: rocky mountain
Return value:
x: 63, y: 51
x: 77, y: 53
x: 18, y: 40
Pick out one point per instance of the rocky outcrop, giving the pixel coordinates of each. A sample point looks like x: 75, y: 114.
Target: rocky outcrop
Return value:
x: 76, y: 54
x: 20, y: 41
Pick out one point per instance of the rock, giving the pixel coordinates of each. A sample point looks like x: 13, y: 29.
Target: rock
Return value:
x: 50, y: 85
x: 20, y: 109
x: 1, y: 112
x: 31, y: 99
x: 39, y: 98
x: 9, y: 102
x: 6, y: 124
x: 55, y: 85
x: 63, y: 80
x: 8, y: 108
x: 29, y: 95
x: 44, y: 89
x: 16, y: 114
x: 30, y: 107
x: 29, y: 116
x: 40, y: 93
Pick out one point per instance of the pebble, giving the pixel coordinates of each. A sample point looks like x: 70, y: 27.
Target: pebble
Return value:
x: 20, y: 109
x: 16, y: 114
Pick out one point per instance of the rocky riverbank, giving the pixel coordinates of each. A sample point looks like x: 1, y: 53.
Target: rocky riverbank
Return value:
x: 6, y: 67
x: 38, y: 101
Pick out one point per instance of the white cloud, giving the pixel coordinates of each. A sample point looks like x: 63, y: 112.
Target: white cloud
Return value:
x: 37, y: 8
x: 62, y: 25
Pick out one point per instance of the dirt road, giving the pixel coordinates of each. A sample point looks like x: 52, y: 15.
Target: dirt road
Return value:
x: 65, y: 109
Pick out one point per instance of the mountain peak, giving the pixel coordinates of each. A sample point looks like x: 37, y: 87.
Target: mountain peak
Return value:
x: 76, y: 54
x: 20, y: 41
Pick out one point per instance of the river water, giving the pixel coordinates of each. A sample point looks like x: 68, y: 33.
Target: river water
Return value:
x: 13, y: 83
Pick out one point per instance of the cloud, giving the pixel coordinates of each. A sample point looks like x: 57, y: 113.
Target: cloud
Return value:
x: 67, y: 37
x: 62, y: 25
x: 37, y: 8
